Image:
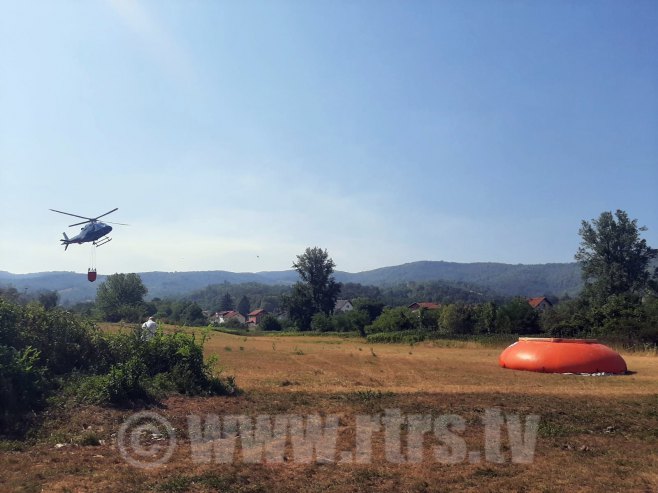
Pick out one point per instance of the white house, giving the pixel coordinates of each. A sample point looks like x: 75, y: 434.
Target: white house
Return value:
x: 224, y: 316
x: 343, y: 306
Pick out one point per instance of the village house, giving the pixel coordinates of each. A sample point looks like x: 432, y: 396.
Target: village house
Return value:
x: 224, y: 316
x: 256, y: 316
x: 540, y: 303
x: 424, y: 305
x: 343, y: 306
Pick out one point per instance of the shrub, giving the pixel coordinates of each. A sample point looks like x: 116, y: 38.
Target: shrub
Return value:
x: 123, y: 384
x: 139, y: 371
x: 393, y: 320
x: 321, y: 322
x: 404, y: 337
x: 64, y: 341
x: 352, y: 321
x: 269, y: 323
x: 44, y: 352
x: 233, y: 323
x: 22, y: 384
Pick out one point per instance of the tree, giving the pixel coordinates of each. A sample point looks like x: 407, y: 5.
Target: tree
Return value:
x: 192, y: 314
x: 352, y: 321
x: 12, y: 295
x: 486, y: 318
x: 49, y: 299
x: 517, y: 317
x: 613, y: 258
x: 321, y: 322
x: 317, y: 291
x: 316, y: 269
x: 394, y: 320
x: 244, y: 307
x: 227, y: 303
x: 365, y: 312
x: 299, y: 306
x: 121, y: 296
x: 428, y: 319
x: 371, y: 307
x: 269, y: 322
x: 456, y: 318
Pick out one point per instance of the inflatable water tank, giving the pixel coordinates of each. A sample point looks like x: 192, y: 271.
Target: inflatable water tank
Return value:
x: 556, y: 355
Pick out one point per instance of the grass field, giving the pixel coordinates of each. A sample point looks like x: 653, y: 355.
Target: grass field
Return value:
x: 594, y: 434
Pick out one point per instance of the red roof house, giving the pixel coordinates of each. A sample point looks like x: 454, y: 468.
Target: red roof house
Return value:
x: 540, y: 303
x: 256, y: 316
x: 424, y: 305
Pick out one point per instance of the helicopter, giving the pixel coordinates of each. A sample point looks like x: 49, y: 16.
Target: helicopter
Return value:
x: 95, y: 231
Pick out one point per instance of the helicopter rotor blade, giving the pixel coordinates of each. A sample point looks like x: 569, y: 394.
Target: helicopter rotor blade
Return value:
x: 74, y: 215
x: 120, y: 224
x: 115, y: 209
x: 83, y: 222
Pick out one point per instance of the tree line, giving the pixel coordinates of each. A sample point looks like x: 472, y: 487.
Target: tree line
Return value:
x: 619, y: 298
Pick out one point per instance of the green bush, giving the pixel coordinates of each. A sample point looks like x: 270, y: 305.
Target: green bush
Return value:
x: 233, y: 323
x: 123, y: 384
x: 394, y: 320
x: 355, y: 320
x: 321, y: 322
x: 414, y: 336
x: 22, y: 384
x: 137, y: 370
x: 270, y: 323
x: 65, y: 342
x: 45, y: 353
x: 404, y: 337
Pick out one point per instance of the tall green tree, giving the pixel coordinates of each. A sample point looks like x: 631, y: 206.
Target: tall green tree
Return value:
x: 192, y: 314
x: 614, y: 258
x: 317, y: 291
x: 518, y: 317
x: 372, y: 308
x: 226, y: 303
x: 456, y: 318
x: 121, y: 296
x: 316, y: 269
x: 244, y: 306
x: 299, y: 306
x: 485, y: 315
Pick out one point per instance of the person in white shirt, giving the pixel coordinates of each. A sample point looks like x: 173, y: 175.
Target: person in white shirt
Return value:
x: 148, y: 329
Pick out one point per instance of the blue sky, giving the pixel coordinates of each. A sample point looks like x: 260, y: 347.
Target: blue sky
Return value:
x: 232, y: 135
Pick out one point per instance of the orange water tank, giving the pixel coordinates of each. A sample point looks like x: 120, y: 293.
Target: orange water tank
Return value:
x: 554, y: 355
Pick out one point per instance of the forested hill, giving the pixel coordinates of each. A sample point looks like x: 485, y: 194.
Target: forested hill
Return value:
x: 505, y: 279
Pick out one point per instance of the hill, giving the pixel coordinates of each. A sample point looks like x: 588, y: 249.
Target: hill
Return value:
x: 504, y: 279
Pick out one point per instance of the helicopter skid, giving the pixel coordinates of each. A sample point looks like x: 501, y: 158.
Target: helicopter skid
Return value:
x: 102, y: 241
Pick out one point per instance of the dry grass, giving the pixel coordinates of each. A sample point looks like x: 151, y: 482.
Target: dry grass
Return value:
x: 595, y: 433
x: 330, y: 365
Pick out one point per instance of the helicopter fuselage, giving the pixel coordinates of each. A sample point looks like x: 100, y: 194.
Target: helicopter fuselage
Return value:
x: 91, y: 232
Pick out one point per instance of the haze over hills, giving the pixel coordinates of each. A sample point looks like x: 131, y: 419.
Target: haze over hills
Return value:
x: 504, y: 279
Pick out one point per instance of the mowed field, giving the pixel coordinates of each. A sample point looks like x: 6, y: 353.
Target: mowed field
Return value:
x: 594, y: 433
